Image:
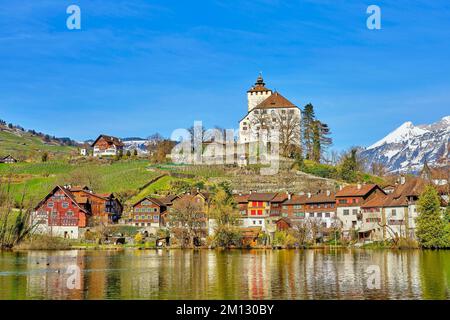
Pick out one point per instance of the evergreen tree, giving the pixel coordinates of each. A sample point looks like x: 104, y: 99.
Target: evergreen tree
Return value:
x: 307, y: 126
x: 128, y: 153
x: 135, y: 153
x: 430, y: 226
x: 447, y: 214
x: 316, y: 141
x: 349, y: 166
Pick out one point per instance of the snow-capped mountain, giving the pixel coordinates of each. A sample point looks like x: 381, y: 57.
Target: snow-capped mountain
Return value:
x: 136, y: 144
x: 406, y: 148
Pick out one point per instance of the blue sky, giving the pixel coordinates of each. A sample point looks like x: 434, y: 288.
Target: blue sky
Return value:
x: 138, y: 67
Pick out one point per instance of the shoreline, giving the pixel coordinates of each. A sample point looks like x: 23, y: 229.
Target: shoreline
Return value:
x: 122, y: 248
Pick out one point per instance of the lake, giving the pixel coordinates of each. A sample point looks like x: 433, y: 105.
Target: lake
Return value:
x: 233, y: 274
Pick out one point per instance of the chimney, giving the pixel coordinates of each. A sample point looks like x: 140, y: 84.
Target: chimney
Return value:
x: 340, y: 187
x: 288, y: 195
x: 309, y: 194
x: 328, y: 193
x: 250, y: 191
x: 359, y: 186
x: 402, y: 180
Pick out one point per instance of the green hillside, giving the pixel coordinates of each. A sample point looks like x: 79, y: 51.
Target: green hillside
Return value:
x: 26, y: 146
x: 37, y: 179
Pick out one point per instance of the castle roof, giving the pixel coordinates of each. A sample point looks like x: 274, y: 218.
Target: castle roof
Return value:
x: 275, y: 100
x: 259, y: 85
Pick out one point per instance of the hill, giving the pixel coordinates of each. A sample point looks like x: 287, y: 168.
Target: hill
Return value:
x: 29, y: 145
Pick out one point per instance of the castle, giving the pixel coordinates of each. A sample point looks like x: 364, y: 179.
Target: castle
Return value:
x: 269, y: 116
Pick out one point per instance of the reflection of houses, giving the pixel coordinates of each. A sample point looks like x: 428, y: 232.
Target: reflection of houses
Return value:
x: 107, y: 146
x: 67, y: 211
x: 8, y: 159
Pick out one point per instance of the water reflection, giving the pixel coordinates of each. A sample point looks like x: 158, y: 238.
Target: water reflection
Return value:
x: 208, y: 274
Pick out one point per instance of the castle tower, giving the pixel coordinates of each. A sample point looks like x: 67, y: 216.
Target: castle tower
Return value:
x: 258, y: 93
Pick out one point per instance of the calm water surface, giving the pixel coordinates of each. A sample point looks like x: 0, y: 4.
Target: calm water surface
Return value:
x: 209, y: 274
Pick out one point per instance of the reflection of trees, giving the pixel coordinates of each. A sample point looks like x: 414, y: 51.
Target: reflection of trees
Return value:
x: 432, y: 274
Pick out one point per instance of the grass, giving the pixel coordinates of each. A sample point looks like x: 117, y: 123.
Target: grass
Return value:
x: 159, y: 187
x: 25, y: 145
x: 37, y: 179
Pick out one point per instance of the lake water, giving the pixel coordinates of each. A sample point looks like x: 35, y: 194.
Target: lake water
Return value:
x: 235, y: 274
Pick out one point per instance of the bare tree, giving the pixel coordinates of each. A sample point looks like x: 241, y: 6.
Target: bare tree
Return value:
x: 300, y: 232
x: 185, y: 220
x: 260, y: 124
x: 288, y: 125
x: 15, y: 223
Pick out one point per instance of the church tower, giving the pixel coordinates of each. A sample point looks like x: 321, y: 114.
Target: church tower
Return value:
x: 258, y: 93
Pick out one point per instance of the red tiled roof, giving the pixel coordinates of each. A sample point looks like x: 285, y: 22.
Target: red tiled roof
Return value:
x: 280, y: 197
x: 377, y: 201
x: 354, y: 191
x: 275, y: 100
x: 261, y: 196
x: 296, y: 199
x: 241, y: 198
x: 321, y: 198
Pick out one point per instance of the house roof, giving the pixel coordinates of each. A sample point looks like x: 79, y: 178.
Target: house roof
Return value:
x: 241, y: 198
x: 280, y: 197
x: 285, y: 219
x: 256, y: 196
x: 250, y: 232
x: 296, y: 199
x: 321, y: 198
x: 168, y: 199
x: 413, y: 186
x: 158, y: 202
x: 275, y: 100
x: 378, y: 201
x: 354, y: 191
x: 440, y: 173
x: 109, y: 139
x: 67, y: 193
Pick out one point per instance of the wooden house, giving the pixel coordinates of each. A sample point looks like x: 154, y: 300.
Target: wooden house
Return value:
x: 107, y: 146
x: 60, y: 214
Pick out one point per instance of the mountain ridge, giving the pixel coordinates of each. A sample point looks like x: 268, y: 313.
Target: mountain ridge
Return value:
x: 406, y: 148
